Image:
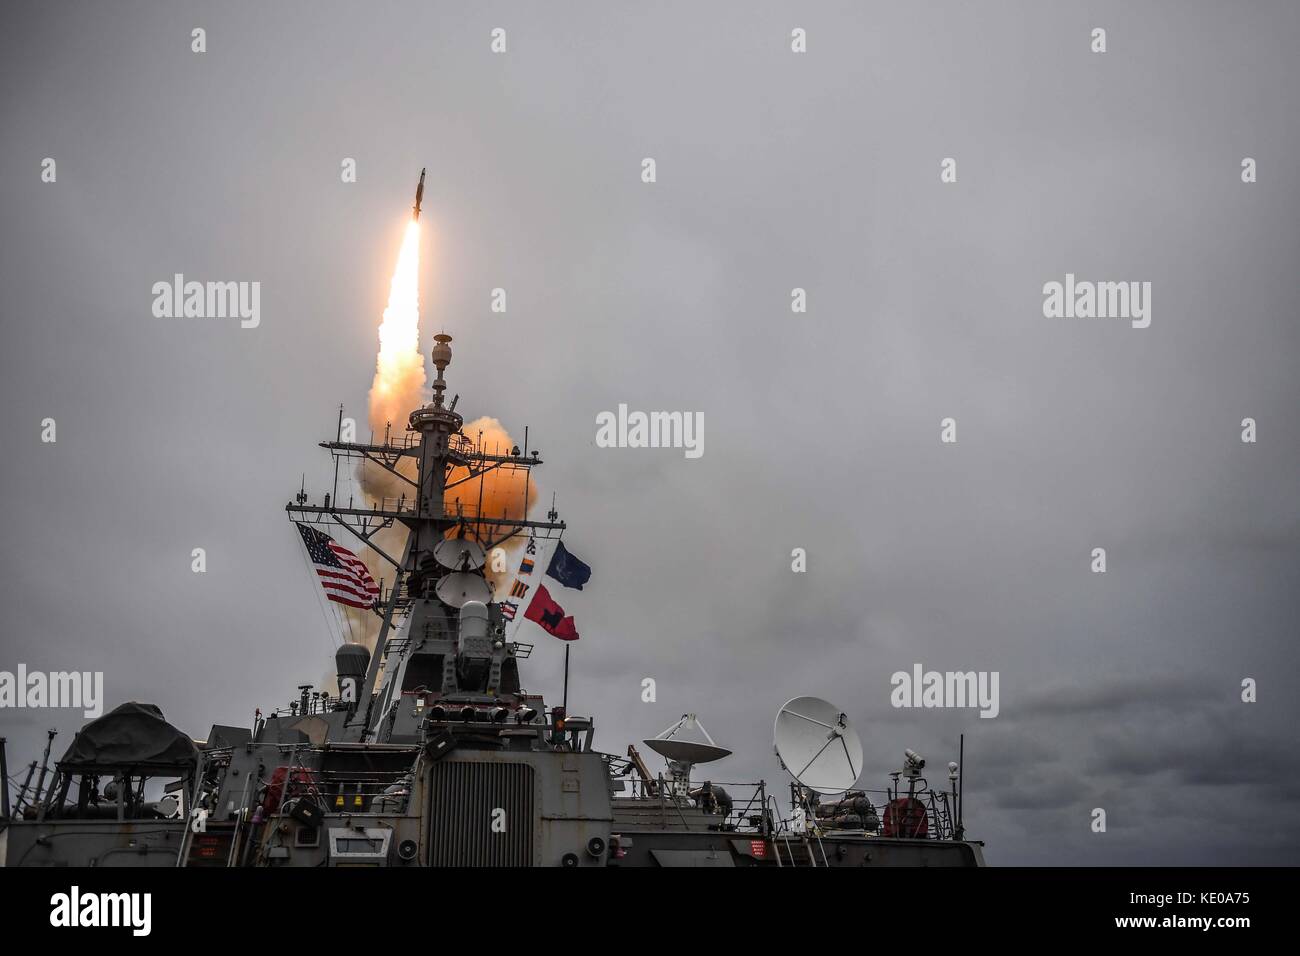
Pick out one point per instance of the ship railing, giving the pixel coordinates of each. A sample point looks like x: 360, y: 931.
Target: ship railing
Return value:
x: 470, y: 510
x: 401, y: 504
x: 349, y: 791
x: 351, y: 795
x: 457, y: 444
x: 668, y: 798
x: 391, y: 438
x: 320, y: 702
x: 752, y: 807
x: 931, y: 816
x: 404, y: 504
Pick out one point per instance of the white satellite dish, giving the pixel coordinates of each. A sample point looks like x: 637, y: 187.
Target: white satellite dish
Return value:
x: 687, y: 742
x: 459, y: 554
x: 461, y: 586
x: 817, y: 745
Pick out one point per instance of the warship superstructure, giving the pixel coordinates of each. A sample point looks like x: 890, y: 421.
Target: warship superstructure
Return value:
x: 431, y: 752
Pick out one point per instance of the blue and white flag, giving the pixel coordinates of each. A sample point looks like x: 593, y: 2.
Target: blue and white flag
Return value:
x: 567, y: 569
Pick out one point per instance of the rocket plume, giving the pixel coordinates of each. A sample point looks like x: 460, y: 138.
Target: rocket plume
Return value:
x: 399, y: 383
x: 399, y: 387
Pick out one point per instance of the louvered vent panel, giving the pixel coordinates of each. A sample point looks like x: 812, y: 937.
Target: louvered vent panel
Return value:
x: 464, y: 796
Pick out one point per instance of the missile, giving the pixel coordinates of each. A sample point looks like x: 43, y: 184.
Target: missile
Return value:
x: 419, y: 196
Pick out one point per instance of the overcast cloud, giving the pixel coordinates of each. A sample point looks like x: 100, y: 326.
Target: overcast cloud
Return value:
x: 775, y: 170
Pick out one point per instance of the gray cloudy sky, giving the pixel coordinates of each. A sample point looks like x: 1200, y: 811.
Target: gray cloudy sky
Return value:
x: 775, y: 170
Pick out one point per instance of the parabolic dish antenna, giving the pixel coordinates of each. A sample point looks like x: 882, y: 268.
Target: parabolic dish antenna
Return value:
x: 817, y: 745
x: 458, y: 554
x: 461, y: 586
x: 687, y: 742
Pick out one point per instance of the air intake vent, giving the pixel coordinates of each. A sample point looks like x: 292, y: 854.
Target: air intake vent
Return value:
x: 466, y: 799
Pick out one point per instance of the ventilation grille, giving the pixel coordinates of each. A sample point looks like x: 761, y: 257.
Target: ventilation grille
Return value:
x: 464, y: 801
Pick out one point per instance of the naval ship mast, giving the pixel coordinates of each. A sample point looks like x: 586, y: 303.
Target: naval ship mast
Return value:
x: 429, y: 651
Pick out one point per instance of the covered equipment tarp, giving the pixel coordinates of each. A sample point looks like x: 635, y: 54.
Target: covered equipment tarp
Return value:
x: 133, y: 735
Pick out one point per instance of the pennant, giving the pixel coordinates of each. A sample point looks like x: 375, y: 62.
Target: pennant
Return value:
x: 550, y: 616
x: 567, y: 569
x: 519, y: 589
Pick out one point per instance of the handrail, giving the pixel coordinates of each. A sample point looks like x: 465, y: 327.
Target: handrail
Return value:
x: 746, y: 798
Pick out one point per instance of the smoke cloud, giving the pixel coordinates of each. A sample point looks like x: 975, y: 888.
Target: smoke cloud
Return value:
x: 400, y: 386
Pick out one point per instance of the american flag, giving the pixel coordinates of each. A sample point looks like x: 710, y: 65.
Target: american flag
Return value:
x: 343, y: 576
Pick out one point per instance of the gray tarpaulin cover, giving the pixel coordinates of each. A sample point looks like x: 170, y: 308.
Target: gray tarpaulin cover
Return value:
x: 132, y: 735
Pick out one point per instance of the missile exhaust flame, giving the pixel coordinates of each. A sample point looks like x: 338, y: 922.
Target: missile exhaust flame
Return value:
x: 401, y: 385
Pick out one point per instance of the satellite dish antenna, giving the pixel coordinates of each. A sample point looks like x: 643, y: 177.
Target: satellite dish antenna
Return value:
x: 459, y: 554
x: 683, y: 745
x: 817, y: 745
x: 461, y: 586
x: 687, y: 742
